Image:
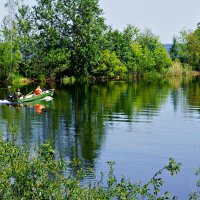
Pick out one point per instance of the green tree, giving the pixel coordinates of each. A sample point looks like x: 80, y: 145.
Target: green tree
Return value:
x: 109, y: 66
x: 174, y: 49
x: 155, y: 55
x: 136, y: 61
x: 10, y: 52
x: 9, y: 60
x: 139, y: 52
x: 26, y: 41
x: 68, y: 35
x: 120, y: 43
x: 86, y: 36
x: 51, y: 56
x: 193, y: 44
x: 162, y: 59
x: 188, y: 48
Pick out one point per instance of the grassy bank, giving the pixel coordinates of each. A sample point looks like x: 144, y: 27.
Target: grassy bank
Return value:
x: 179, y: 69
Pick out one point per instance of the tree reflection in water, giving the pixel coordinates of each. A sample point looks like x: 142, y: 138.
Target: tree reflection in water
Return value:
x: 76, y: 120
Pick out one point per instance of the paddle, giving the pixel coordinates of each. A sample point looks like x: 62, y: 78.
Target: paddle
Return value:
x: 9, y: 87
x: 28, y: 93
x: 10, y: 96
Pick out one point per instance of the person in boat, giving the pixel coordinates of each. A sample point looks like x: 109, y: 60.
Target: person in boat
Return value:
x: 17, y: 94
x: 38, y: 90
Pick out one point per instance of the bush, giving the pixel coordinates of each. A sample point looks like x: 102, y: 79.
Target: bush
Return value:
x: 39, y: 175
x: 110, y: 66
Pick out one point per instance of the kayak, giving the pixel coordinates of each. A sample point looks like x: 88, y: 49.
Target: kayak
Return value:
x: 32, y: 97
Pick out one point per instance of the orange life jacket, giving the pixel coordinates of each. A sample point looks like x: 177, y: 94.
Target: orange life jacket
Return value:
x: 38, y: 91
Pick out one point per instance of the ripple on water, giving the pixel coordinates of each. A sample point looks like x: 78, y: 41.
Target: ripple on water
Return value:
x: 145, y: 116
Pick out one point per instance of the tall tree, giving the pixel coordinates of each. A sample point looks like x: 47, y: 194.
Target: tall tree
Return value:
x: 155, y: 54
x: 51, y: 55
x: 174, y: 49
x: 86, y: 36
x: 26, y: 30
x: 10, y: 53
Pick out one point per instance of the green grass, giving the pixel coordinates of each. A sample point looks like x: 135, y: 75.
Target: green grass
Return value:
x: 68, y: 80
x: 179, y: 69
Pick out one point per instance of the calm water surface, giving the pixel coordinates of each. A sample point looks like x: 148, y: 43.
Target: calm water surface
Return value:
x: 139, y: 125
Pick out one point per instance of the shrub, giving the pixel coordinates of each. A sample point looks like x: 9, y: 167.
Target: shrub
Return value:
x: 39, y: 175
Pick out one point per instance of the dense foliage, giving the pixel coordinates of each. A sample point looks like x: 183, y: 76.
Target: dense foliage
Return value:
x: 186, y: 48
x: 70, y: 38
x: 38, y: 175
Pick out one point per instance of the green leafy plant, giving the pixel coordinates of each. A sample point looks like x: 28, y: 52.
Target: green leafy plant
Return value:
x: 39, y: 175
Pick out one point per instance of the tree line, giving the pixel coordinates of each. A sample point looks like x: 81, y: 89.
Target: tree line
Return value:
x: 56, y: 38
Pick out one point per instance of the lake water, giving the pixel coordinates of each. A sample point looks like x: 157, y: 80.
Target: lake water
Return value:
x: 168, y: 47
x: 137, y: 124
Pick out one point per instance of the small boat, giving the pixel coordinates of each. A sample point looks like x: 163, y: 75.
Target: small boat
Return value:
x: 31, y: 97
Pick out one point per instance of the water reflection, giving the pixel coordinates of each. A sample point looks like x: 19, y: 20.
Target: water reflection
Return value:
x: 78, y: 118
x: 39, y: 108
